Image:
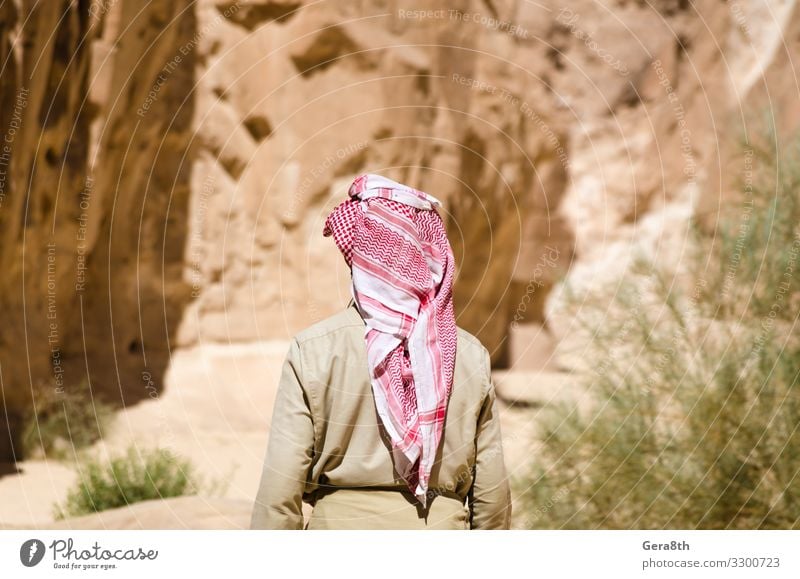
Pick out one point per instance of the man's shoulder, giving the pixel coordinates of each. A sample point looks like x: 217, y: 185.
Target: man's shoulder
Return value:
x: 468, y: 340
x: 343, y: 320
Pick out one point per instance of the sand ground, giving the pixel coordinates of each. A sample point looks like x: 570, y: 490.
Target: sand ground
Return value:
x: 215, y: 410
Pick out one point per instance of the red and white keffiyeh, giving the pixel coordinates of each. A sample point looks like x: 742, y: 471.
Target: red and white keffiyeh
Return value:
x: 402, y: 270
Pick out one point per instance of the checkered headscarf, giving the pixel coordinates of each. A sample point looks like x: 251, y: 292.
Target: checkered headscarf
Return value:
x: 402, y: 270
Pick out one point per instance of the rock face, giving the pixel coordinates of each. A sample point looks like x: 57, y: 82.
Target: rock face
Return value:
x: 669, y: 152
x: 167, y: 166
x: 94, y: 200
x: 294, y: 102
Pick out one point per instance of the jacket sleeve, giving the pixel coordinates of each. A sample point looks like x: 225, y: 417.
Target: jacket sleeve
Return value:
x: 278, y: 503
x: 490, y: 496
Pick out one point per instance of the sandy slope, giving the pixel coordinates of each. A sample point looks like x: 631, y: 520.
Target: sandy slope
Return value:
x: 216, y: 411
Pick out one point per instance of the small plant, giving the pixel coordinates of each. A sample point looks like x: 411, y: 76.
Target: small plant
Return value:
x: 61, y: 423
x: 132, y: 477
x: 694, y: 419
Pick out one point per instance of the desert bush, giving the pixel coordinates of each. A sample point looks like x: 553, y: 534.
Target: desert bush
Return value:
x: 694, y: 419
x: 61, y: 423
x: 128, y: 478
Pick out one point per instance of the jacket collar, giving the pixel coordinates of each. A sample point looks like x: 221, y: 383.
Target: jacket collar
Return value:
x: 353, y: 313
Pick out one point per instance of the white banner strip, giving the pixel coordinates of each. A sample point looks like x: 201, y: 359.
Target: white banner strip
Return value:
x: 390, y: 554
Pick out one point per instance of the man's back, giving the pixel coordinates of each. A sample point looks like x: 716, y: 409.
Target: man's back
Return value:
x: 327, y: 444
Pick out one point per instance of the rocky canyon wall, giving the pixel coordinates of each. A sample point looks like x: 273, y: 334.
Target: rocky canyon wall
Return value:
x: 94, y: 199
x: 295, y: 100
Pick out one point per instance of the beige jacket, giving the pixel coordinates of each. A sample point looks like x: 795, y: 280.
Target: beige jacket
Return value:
x: 326, y: 446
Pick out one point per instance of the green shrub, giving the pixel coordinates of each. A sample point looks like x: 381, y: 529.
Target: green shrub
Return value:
x: 758, y: 234
x: 694, y: 420
x: 126, y: 479
x: 61, y: 423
